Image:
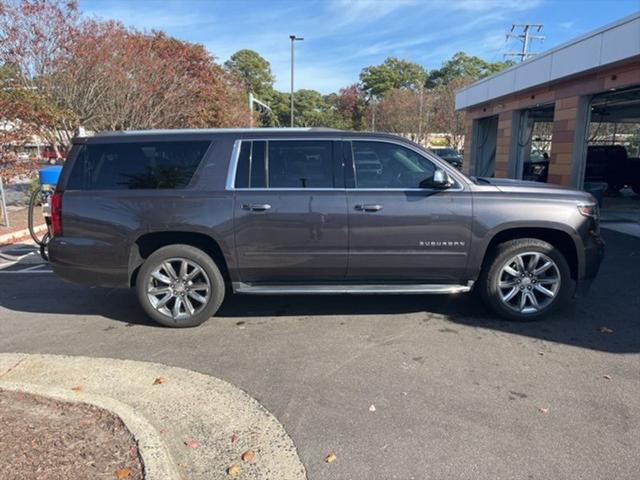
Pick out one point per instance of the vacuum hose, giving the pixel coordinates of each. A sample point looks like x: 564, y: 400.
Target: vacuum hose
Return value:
x: 44, y: 240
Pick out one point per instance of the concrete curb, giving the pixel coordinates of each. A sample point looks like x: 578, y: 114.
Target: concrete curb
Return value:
x: 20, y: 235
x: 156, y: 460
x: 205, y: 423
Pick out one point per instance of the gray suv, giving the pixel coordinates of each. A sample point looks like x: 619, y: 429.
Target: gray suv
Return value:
x: 188, y: 216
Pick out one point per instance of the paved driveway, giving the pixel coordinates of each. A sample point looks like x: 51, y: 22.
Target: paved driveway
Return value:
x: 457, y: 393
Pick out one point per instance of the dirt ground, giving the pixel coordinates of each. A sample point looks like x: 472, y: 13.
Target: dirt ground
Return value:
x: 43, y: 439
x: 18, y: 219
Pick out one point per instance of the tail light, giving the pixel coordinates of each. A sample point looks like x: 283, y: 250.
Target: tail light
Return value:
x: 56, y: 214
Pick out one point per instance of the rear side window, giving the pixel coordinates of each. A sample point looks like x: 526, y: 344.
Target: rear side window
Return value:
x: 136, y: 165
x: 302, y: 164
x: 285, y: 164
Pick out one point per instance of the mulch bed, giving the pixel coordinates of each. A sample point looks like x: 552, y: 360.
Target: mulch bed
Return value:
x: 41, y: 438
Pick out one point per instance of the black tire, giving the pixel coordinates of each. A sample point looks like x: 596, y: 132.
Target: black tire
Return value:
x: 493, y: 269
x: 194, y: 256
x: 636, y: 188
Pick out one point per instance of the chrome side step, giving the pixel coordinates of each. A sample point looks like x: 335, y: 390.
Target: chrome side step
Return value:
x: 240, y: 287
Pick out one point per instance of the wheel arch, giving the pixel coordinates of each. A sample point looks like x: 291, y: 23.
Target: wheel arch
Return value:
x: 557, y: 237
x: 148, y: 243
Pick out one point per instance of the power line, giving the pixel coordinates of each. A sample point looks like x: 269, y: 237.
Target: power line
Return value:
x: 523, y: 32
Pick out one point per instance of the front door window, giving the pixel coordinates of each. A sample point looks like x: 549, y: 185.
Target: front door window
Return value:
x: 389, y: 166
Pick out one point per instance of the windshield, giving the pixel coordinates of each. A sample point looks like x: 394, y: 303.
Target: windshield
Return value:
x: 446, y: 152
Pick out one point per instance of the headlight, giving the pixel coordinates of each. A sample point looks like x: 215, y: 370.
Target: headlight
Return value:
x: 590, y: 210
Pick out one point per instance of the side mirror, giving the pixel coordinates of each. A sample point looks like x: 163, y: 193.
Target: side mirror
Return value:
x: 440, y: 181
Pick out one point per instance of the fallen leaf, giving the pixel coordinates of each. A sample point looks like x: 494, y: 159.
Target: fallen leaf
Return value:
x: 372, y: 408
x: 159, y: 381
x: 607, y: 377
x: 77, y: 388
x: 234, y: 438
x: 330, y: 458
x: 191, y: 444
x: 163, y: 431
x: 543, y: 410
x: 123, y: 473
x: 605, y: 330
x: 234, y: 470
x: 247, y: 456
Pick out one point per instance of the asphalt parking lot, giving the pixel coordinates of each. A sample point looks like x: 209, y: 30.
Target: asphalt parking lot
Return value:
x: 457, y: 393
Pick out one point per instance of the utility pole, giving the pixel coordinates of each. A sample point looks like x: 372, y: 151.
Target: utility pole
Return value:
x: 3, y: 202
x: 293, y: 39
x: 372, y: 101
x: 525, y: 37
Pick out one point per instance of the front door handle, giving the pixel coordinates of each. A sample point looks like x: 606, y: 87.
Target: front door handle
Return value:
x: 369, y: 208
x: 256, y: 207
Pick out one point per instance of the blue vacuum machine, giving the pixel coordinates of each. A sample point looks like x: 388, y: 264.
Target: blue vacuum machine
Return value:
x: 48, y: 177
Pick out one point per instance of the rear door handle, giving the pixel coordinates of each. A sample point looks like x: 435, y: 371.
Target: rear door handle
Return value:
x: 256, y: 207
x: 369, y: 207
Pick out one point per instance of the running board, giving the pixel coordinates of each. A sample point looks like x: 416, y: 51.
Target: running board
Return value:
x: 240, y: 287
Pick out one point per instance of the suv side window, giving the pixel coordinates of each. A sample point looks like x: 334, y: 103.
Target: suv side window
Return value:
x: 285, y: 164
x: 388, y: 165
x: 251, y: 171
x: 136, y: 165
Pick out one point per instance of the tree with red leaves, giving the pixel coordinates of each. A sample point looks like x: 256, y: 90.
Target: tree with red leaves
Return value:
x: 445, y: 117
x: 62, y: 72
x: 351, y: 106
x: 404, y: 112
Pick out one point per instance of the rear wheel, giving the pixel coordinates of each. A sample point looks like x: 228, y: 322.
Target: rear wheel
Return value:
x: 180, y: 286
x: 526, y: 279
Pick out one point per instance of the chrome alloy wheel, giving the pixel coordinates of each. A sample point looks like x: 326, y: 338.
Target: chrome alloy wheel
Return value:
x: 178, y: 288
x: 528, y: 282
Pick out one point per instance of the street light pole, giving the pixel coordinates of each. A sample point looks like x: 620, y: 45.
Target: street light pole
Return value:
x: 293, y: 38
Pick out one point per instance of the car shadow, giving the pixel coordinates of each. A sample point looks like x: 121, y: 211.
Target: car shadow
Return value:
x: 608, y: 319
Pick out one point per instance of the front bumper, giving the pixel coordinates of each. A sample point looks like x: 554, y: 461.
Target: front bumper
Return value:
x: 593, y: 255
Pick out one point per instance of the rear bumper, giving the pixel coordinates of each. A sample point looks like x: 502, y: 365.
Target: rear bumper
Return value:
x: 66, y: 259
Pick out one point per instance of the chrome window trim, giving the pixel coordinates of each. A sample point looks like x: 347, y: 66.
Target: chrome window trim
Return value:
x: 233, y: 165
x: 289, y: 189
x: 235, y: 154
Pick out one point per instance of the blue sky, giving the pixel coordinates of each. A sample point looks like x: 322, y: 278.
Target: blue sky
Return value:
x: 343, y: 36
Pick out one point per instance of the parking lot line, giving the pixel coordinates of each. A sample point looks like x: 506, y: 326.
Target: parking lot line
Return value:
x: 39, y: 268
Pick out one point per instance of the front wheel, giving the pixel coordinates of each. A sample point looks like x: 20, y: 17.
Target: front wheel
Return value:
x: 526, y: 279
x: 180, y: 286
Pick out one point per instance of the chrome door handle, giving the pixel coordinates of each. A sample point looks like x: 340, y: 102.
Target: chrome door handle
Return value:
x: 369, y: 208
x: 256, y: 207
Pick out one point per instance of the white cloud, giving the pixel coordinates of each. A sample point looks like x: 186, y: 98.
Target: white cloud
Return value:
x: 475, y: 6
x: 349, y: 12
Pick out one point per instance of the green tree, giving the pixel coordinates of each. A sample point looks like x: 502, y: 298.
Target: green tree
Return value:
x: 280, y: 109
x: 464, y: 66
x: 253, y: 71
x: 394, y: 73
x: 310, y: 109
